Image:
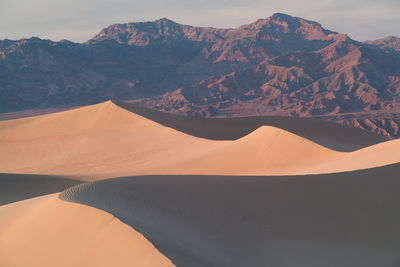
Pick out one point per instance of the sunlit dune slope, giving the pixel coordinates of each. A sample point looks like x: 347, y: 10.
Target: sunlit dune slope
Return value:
x: 47, y: 232
x: 374, y: 156
x: 266, y: 151
x: 105, y: 140
x: 102, y: 138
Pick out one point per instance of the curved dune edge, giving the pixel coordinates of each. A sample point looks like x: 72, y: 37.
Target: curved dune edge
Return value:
x: 47, y: 231
x: 335, y: 136
x: 17, y: 187
x: 344, y: 219
x: 105, y: 140
x: 378, y: 155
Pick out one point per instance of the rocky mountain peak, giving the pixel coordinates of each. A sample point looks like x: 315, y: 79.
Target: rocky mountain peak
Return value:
x: 390, y: 43
x: 280, y: 65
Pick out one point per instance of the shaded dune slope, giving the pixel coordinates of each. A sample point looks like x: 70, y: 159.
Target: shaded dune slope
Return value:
x: 105, y: 140
x: 48, y: 232
x: 346, y: 219
x: 326, y: 133
x: 16, y: 187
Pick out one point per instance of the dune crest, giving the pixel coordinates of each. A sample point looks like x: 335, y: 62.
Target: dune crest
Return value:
x: 370, y: 157
x: 103, y: 116
x: 266, y: 151
x: 329, y: 134
x: 17, y: 187
x: 106, y: 140
x: 50, y: 232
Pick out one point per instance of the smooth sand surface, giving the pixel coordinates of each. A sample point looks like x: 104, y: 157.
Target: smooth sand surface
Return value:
x: 16, y: 187
x: 345, y: 219
x: 374, y: 156
x: 47, y: 231
x: 105, y: 140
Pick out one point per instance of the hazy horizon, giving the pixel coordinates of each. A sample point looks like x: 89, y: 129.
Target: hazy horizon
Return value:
x: 78, y: 22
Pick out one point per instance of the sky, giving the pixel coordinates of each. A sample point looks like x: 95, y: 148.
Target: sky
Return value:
x: 80, y: 20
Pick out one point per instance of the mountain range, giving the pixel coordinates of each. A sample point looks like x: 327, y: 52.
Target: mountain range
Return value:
x: 281, y: 65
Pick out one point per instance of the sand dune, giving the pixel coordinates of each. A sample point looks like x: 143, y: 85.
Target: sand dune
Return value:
x: 266, y: 151
x: 46, y: 231
x: 16, y: 187
x: 374, y: 156
x: 96, y: 139
x: 332, y: 135
x: 106, y: 140
x: 348, y: 219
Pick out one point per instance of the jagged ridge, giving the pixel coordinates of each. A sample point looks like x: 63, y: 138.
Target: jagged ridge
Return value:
x: 281, y: 65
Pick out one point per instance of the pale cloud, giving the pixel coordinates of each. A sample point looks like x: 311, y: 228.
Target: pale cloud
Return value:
x: 79, y: 20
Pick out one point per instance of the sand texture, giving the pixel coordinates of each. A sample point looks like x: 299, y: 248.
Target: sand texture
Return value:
x: 16, y: 187
x: 346, y: 219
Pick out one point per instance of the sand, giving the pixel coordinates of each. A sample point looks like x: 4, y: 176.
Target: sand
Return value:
x: 374, y: 156
x: 346, y: 219
x: 105, y: 140
x: 315, y: 197
x: 16, y: 187
x: 329, y: 134
x: 47, y: 231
